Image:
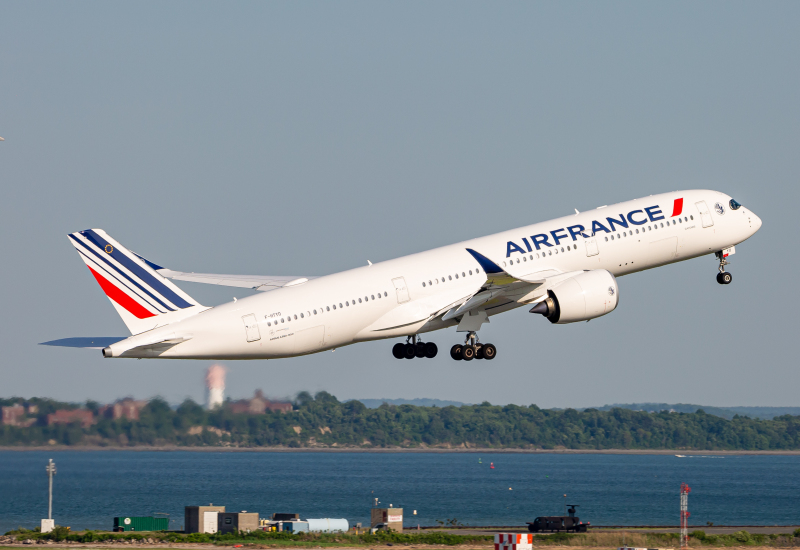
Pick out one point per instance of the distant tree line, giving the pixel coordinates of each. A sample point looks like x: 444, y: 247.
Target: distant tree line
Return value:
x: 323, y: 421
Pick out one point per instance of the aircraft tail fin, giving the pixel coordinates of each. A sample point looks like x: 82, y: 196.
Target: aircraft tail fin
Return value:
x: 142, y: 297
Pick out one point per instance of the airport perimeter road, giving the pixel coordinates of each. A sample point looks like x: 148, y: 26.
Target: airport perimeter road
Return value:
x: 715, y: 530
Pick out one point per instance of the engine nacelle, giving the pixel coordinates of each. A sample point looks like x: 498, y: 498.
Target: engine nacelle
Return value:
x: 586, y: 296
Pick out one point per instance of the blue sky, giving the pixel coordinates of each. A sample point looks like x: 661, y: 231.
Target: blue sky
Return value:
x: 305, y: 138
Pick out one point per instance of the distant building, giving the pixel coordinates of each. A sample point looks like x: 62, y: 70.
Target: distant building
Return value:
x: 15, y: 416
x: 259, y: 405
x: 124, y: 408
x: 63, y: 416
x: 215, y: 386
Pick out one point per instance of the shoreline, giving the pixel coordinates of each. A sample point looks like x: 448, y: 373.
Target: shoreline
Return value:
x: 425, y: 450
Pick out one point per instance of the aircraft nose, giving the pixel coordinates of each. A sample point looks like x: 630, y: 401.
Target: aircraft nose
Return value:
x: 755, y: 222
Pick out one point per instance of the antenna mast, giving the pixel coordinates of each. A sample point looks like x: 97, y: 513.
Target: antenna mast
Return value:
x: 685, y: 490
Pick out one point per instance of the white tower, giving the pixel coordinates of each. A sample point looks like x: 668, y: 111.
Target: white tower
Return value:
x: 215, y: 386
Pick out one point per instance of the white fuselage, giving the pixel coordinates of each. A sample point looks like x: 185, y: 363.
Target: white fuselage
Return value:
x: 407, y: 296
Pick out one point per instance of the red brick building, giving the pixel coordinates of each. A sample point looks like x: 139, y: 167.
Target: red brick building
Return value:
x: 125, y: 408
x: 259, y: 405
x: 63, y: 416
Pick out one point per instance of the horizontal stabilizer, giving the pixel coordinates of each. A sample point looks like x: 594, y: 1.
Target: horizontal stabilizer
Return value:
x: 87, y: 343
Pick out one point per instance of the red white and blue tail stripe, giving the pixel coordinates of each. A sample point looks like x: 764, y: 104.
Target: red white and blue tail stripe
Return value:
x: 143, y: 298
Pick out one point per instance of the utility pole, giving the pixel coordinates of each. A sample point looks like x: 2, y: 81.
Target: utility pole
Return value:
x: 48, y: 524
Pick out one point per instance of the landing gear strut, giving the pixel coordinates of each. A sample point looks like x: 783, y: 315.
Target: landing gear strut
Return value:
x: 414, y: 347
x: 473, y: 349
x: 723, y: 277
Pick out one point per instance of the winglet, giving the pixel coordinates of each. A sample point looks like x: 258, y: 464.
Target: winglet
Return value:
x: 489, y: 267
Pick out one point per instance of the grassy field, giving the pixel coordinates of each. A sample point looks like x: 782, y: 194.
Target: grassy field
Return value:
x: 261, y: 539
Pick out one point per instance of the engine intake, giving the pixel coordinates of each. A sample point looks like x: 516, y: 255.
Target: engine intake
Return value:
x: 586, y: 296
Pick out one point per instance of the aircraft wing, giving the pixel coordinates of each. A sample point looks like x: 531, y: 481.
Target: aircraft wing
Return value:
x: 256, y: 282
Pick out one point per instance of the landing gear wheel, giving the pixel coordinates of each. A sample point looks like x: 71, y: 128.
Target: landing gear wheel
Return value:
x: 457, y: 352
x: 489, y: 352
x: 724, y: 278
x: 399, y: 351
x: 410, y: 351
x: 419, y: 350
x: 468, y: 353
x: 431, y: 350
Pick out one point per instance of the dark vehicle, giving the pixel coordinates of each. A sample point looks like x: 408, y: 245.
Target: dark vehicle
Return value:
x: 559, y: 523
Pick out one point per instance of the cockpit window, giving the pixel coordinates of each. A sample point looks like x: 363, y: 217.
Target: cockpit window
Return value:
x: 735, y: 205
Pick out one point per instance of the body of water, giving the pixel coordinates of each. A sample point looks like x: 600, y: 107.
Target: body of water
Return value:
x: 92, y: 487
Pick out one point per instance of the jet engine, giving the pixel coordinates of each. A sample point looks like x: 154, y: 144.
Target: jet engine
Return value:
x: 586, y: 296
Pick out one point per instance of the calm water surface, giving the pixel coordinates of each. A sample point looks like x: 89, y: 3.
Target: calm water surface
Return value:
x: 93, y: 487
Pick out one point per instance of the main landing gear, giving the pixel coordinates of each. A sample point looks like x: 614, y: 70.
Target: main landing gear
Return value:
x: 723, y: 277
x: 473, y: 349
x: 414, y: 348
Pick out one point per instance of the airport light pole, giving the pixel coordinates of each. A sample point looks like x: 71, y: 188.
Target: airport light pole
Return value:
x: 51, y: 471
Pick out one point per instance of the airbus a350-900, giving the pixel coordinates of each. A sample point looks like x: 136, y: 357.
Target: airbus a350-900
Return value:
x: 564, y: 269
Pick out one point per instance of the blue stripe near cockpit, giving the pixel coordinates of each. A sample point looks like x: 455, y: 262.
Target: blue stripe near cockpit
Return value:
x: 488, y: 265
x: 136, y: 269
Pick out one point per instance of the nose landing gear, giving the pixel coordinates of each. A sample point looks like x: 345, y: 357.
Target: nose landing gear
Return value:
x: 414, y: 347
x: 723, y: 277
x: 473, y: 349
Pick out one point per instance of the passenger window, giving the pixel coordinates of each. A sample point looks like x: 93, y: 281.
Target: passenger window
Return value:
x: 301, y: 315
x: 315, y: 312
x: 606, y: 239
x: 359, y: 300
x: 685, y: 219
x: 477, y: 271
x: 524, y: 259
x: 269, y: 324
x: 334, y: 306
x: 556, y: 251
x: 463, y: 274
x: 340, y: 305
x: 281, y: 319
x: 450, y: 277
x: 373, y: 296
x: 385, y: 294
x: 612, y: 237
x: 423, y: 284
x: 531, y: 257
x: 456, y: 275
x: 662, y: 224
x: 691, y: 217
x: 562, y: 249
x: 470, y: 272
x: 329, y: 308
x: 366, y: 298
x: 347, y: 304
x: 680, y: 220
x: 549, y: 252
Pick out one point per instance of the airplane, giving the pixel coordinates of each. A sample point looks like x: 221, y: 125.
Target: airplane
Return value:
x: 564, y: 269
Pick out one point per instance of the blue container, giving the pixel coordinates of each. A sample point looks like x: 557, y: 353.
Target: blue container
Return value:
x: 295, y: 526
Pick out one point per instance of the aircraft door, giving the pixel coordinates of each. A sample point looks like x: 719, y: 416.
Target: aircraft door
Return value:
x: 705, y: 215
x: 402, y: 290
x: 591, y: 247
x: 251, y: 328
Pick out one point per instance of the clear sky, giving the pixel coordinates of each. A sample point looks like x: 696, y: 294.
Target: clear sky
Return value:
x: 306, y: 138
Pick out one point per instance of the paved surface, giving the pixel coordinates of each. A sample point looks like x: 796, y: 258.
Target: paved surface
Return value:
x: 715, y: 530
